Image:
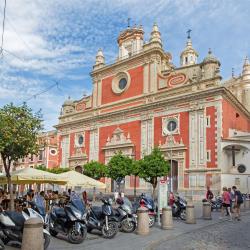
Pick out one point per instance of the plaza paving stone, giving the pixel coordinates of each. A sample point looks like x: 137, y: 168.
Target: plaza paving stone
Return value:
x: 194, y: 236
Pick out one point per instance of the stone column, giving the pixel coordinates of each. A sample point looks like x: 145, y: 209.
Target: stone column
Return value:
x: 190, y: 216
x: 206, y: 211
x: 167, y: 219
x: 33, y: 235
x: 143, y: 221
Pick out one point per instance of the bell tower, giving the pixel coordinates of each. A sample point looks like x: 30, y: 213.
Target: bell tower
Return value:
x: 188, y: 56
x: 130, y: 41
x: 246, y: 84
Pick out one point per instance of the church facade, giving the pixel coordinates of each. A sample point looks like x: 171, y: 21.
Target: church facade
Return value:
x: 142, y: 101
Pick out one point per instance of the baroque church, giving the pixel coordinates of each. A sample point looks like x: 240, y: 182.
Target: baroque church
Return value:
x: 142, y: 101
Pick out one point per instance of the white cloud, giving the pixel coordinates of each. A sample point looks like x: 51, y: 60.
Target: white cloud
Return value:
x: 58, y: 40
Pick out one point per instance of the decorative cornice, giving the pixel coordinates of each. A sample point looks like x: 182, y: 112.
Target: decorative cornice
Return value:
x: 166, y: 98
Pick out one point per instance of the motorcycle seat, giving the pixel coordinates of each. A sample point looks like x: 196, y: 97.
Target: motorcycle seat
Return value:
x: 16, y: 217
x: 60, y: 212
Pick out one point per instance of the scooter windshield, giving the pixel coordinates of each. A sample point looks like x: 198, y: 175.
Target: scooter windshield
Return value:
x: 39, y: 202
x: 127, y: 202
x: 78, y: 203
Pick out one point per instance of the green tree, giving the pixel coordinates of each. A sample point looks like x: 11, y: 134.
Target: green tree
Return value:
x: 56, y: 170
x: 135, y: 171
x: 119, y: 166
x: 95, y: 170
x: 19, y: 129
x: 153, y: 166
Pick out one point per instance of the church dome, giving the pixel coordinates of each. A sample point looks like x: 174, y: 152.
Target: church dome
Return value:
x: 210, y: 58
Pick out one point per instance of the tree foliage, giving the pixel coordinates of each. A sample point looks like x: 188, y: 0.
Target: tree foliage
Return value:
x: 95, y: 170
x: 19, y: 129
x: 56, y: 170
x: 152, y: 166
x: 119, y: 166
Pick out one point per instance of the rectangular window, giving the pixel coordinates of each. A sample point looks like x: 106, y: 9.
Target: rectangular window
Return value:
x: 40, y: 156
x: 208, y: 155
x: 192, y: 180
x: 32, y: 158
x: 208, y: 122
x: 201, y: 180
x: 237, y: 182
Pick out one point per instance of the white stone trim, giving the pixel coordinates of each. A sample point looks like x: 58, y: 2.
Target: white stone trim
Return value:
x: 94, y: 145
x: 145, y: 78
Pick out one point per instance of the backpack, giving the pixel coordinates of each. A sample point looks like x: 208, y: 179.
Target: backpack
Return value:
x: 239, y: 197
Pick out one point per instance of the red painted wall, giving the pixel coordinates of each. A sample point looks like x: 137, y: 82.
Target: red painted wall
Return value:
x: 135, y: 88
x: 134, y: 128
x: 184, y: 132
x: 230, y: 119
x: 85, y: 148
x: 211, y: 136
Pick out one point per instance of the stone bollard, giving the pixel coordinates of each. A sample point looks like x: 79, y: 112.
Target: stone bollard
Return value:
x: 33, y: 235
x: 167, y: 219
x: 206, y: 211
x: 190, y: 217
x: 247, y: 204
x: 143, y: 221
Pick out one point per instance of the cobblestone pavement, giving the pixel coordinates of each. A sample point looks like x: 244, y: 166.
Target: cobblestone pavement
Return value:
x: 233, y: 235
x: 205, y: 234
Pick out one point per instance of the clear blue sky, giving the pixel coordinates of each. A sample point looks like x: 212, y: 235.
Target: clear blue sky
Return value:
x: 57, y: 40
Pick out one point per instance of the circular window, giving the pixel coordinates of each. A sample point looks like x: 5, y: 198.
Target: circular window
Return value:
x: 171, y: 125
x: 80, y: 140
x: 122, y: 83
x: 241, y: 168
x: 53, y: 151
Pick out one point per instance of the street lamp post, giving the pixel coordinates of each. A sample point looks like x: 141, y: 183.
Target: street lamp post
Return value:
x: 171, y: 161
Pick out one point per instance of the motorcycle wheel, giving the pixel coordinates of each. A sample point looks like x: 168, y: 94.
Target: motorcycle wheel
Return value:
x: 151, y: 220
x: 46, y: 240
x: 183, y: 215
x: 2, y: 247
x: 128, y: 226
x: 53, y: 233
x: 112, y: 230
x: 76, y: 238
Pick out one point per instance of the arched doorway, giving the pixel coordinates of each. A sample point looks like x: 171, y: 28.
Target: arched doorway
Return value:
x: 78, y: 169
x: 174, y: 173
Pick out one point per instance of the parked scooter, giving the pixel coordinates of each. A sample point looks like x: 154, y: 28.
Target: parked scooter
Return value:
x: 102, y: 219
x: 179, y: 208
x: 127, y: 219
x: 12, y: 224
x: 215, y: 203
x: 70, y: 220
x: 147, y: 201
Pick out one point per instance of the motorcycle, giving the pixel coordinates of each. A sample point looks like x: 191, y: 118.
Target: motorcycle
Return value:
x: 102, y: 219
x: 70, y: 220
x: 12, y: 224
x: 127, y: 219
x: 216, y: 203
x: 179, y: 208
x: 147, y: 201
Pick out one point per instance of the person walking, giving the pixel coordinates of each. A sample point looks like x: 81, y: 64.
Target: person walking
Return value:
x: 237, y: 203
x: 225, y: 203
x: 209, y: 194
x: 171, y: 199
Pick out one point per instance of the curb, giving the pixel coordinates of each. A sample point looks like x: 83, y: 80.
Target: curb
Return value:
x: 153, y: 244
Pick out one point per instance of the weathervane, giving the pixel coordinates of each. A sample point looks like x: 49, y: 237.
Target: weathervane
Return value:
x: 188, y: 32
